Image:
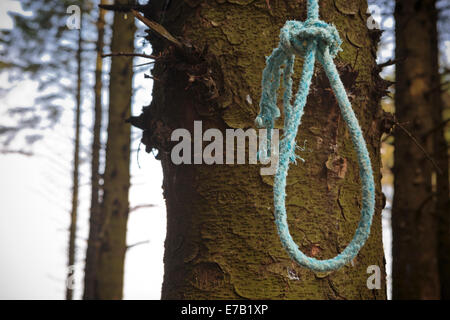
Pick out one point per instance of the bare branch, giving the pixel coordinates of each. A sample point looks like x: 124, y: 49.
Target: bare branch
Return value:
x: 19, y: 152
x: 137, y: 244
x: 420, y: 146
x: 121, y: 7
x: 438, y: 127
x: 389, y: 63
x: 157, y: 28
x: 141, y: 206
x: 392, y: 120
x: 128, y: 54
x: 143, y: 64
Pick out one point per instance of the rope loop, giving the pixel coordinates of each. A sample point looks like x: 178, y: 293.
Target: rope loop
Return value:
x: 310, y: 39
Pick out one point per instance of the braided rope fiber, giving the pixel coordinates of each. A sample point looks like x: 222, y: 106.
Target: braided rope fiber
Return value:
x: 312, y: 39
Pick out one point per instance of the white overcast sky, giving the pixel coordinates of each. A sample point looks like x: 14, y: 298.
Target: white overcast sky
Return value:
x: 35, y: 204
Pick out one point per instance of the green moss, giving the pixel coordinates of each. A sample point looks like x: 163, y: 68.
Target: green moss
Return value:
x: 228, y: 211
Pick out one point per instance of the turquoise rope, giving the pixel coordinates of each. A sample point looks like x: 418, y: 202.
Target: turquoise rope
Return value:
x: 310, y: 39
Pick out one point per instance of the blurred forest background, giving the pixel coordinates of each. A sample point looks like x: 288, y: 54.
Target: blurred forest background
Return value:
x: 59, y: 91
x: 39, y: 110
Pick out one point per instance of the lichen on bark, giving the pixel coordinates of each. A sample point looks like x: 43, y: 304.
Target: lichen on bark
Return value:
x: 221, y: 239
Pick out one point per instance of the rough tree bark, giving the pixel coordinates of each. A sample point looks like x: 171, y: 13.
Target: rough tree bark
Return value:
x: 414, y: 220
x: 76, y: 165
x: 440, y: 149
x: 90, y: 270
x: 115, y: 206
x: 221, y: 238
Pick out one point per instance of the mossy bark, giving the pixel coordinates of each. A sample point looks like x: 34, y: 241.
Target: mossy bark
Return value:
x: 414, y: 220
x: 115, y: 205
x: 221, y: 239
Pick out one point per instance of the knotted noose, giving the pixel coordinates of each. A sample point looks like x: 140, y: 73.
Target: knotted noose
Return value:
x: 310, y: 39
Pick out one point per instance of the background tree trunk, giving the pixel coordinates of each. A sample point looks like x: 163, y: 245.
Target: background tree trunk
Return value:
x: 115, y: 206
x: 76, y: 165
x: 441, y: 155
x: 221, y: 239
x: 93, y: 241
x: 414, y: 220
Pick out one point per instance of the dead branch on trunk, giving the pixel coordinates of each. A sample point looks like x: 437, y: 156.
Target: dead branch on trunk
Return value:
x: 156, y: 27
x: 129, y: 54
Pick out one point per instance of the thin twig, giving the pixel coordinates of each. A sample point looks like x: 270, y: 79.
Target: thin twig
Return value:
x: 147, y: 76
x: 143, y: 64
x: 142, y: 206
x: 157, y: 28
x: 121, y: 7
x: 137, y: 154
x: 128, y: 54
x: 19, y: 152
x: 389, y: 63
x: 419, y: 145
x: 438, y: 127
x: 137, y: 244
x: 356, y: 59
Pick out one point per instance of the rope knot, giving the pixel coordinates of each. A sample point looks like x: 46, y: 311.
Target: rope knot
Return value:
x: 295, y: 37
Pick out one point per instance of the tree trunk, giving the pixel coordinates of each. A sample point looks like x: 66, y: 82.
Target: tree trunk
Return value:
x: 90, y: 272
x: 221, y: 238
x: 76, y: 165
x: 115, y: 206
x: 441, y: 156
x: 414, y: 220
